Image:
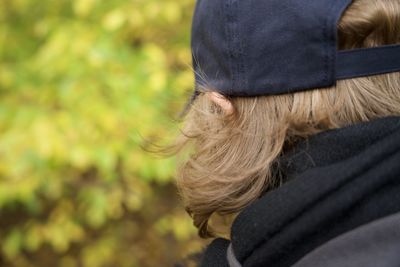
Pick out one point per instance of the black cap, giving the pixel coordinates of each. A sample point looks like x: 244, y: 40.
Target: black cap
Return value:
x: 267, y: 47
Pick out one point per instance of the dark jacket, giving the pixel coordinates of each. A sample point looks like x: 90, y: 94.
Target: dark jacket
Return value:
x: 341, y: 185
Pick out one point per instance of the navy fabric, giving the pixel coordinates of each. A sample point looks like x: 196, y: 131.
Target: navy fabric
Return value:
x: 367, y: 61
x: 259, y: 47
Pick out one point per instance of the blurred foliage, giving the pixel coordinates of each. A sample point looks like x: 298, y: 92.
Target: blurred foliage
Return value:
x: 81, y: 81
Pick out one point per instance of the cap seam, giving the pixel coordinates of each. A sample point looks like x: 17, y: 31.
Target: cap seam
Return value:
x: 229, y: 33
x: 328, y: 48
x: 241, y: 66
x: 235, y: 47
x: 325, y: 37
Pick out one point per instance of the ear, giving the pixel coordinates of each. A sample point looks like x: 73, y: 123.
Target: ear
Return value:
x: 222, y: 102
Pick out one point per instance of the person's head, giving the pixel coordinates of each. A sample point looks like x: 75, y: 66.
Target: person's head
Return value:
x: 234, y: 142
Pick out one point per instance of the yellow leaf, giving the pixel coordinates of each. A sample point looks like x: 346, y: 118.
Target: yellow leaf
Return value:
x: 83, y: 7
x: 113, y: 20
x: 158, y: 81
x: 172, y: 12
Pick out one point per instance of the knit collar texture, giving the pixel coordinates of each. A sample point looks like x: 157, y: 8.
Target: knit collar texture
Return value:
x: 336, y: 180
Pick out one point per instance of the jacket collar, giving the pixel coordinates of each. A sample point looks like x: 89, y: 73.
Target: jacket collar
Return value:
x: 327, y: 174
x: 335, y: 145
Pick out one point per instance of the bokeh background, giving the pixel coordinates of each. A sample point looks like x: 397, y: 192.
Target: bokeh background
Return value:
x: 82, y: 84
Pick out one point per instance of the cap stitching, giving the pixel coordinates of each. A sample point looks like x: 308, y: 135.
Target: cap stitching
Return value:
x: 332, y: 52
x: 238, y: 41
x: 226, y: 8
x: 325, y: 51
x: 235, y: 43
x: 328, y: 53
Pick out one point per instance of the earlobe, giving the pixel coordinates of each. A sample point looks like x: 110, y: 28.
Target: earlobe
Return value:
x: 221, y: 101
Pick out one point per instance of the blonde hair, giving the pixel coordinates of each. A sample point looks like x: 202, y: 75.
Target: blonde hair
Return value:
x: 232, y: 159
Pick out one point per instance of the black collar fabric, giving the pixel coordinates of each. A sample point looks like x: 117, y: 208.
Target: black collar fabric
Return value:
x: 337, y: 181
